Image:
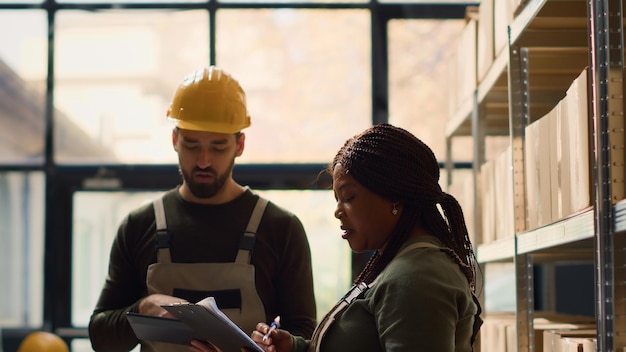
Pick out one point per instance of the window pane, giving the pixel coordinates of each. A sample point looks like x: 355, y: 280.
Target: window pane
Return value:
x: 20, y: 1
x: 130, y: 1
x: 21, y: 253
x: 295, y: 1
x: 331, y: 255
x: 417, y: 68
x: 98, y: 214
x: 116, y: 73
x: 307, y: 75
x: 23, y: 63
x: 470, y: 3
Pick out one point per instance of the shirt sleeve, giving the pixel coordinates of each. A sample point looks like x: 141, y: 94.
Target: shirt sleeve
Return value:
x: 295, y: 283
x: 108, y: 327
x: 415, y: 311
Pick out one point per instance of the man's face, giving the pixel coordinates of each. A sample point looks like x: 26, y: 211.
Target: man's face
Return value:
x: 206, y: 159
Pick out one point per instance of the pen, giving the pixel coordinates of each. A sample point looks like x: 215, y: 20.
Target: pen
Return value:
x: 275, y: 325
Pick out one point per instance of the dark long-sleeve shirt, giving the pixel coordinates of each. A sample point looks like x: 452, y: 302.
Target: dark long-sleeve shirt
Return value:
x: 207, y: 233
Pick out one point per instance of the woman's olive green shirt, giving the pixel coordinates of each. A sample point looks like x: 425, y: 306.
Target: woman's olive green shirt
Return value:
x: 421, y: 303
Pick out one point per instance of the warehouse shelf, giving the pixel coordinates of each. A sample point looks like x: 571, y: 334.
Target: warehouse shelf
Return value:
x: 541, y: 24
x: 550, y: 43
x: 499, y: 250
x: 564, y: 232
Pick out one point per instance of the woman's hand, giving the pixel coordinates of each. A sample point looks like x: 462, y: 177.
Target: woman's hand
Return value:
x: 278, y: 340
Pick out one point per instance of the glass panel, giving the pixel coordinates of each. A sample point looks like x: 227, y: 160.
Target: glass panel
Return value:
x: 116, y: 73
x: 131, y: 1
x: 294, y: 1
x: 20, y: 1
x: 307, y: 74
x: 417, y: 65
x: 21, y: 253
x: 98, y: 214
x: 23, y: 62
x: 474, y: 3
x: 331, y: 255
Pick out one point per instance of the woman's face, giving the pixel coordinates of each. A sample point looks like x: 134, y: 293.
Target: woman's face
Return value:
x: 366, y: 218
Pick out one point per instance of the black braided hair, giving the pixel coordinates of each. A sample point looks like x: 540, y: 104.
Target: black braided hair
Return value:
x: 395, y: 164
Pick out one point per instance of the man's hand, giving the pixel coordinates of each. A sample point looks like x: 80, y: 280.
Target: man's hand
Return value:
x: 151, y: 305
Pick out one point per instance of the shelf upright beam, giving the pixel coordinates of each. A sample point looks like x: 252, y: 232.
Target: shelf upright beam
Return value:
x: 519, y: 111
x: 606, y: 50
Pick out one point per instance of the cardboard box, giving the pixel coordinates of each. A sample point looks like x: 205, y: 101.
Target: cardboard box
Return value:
x: 545, y: 196
x: 493, y: 333
x: 563, y: 162
x: 462, y: 188
x: 504, y: 197
x: 553, y: 120
x: 579, y: 344
x: 542, y: 322
x: 577, y: 99
x: 553, y: 340
x: 485, y: 46
x: 488, y: 214
x: 531, y: 177
x: 502, y: 18
x: 466, y: 62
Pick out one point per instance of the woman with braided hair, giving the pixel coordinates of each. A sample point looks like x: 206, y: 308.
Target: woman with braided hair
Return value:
x: 416, y: 293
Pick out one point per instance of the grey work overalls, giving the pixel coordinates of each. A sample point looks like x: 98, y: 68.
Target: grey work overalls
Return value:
x: 236, y: 278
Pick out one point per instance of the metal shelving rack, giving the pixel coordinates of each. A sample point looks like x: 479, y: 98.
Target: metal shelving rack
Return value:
x: 572, y: 34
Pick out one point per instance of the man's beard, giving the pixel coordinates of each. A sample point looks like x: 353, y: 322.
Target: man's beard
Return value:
x: 205, y: 190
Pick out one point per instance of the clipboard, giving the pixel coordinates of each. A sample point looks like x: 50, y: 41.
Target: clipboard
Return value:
x: 161, y: 329
x: 209, y: 322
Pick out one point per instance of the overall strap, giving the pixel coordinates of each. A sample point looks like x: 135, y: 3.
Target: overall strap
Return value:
x: 246, y: 244
x: 162, y: 235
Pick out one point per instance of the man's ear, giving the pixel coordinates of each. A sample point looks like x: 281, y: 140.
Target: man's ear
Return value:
x: 241, y: 143
x: 175, y: 139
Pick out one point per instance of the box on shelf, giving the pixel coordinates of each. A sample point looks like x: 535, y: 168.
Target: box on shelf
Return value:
x: 502, y: 18
x: 545, y: 195
x: 531, y: 175
x: 493, y: 333
x: 555, y: 340
x: 499, y: 332
x: 577, y: 99
x: 504, y: 200
x: 563, y: 162
x: 462, y: 188
x: 484, y: 42
x: 464, y: 56
x: 488, y: 210
x: 579, y: 344
x: 557, y: 167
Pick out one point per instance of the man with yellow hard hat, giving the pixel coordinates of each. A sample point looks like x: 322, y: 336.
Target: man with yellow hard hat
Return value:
x: 208, y: 236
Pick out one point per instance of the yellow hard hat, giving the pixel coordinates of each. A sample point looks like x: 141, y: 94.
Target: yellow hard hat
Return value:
x: 41, y: 341
x: 211, y: 100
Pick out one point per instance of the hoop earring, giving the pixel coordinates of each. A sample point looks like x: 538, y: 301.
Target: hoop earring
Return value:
x: 394, y: 211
